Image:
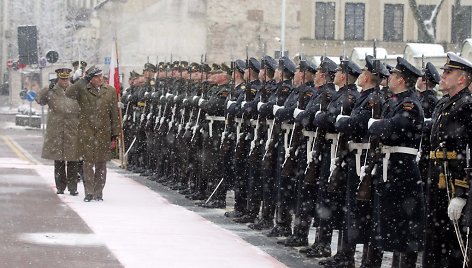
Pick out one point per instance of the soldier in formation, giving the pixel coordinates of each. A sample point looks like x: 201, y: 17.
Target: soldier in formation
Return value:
x: 335, y: 146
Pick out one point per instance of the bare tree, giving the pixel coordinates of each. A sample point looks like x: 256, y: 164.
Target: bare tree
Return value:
x: 426, y: 25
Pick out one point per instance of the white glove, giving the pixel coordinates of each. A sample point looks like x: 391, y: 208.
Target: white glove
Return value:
x: 427, y: 119
x: 142, y: 117
x: 371, y: 121
x: 317, y: 113
x: 77, y: 74
x: 229, y: 104
x: 259, y: 105
x: 184, y: 100
x: 162, y: 120
x: 168, y: 95
x: 243, y: 103
x: 195, y: 97
x: 332, y: 166
x: 455, y: 208
x: 200, y: 101
x: 363, y: 173
x: 121, y: 105
x: 276, y: 108
x: 146, y: 94
x: 125, y: 117
x: 296, y: 112
x: 340, y: 116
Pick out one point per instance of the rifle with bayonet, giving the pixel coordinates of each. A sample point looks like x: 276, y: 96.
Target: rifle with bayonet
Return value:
x: 256, y: 143
x: 312, y: 172
x: 242, y: 143
x: 274, y: 132
x: 374, y: 154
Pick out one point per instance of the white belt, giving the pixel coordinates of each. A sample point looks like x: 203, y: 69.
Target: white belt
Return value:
x: 254, y: 122
x: 358, y: 147
x: 288, y: 129
x: 270, y: 122
x: 334, y: 142
x: 309, y: 143
x: 387, y: 150
x: 212, y: 119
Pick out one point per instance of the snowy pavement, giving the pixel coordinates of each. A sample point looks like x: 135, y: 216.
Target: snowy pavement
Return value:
x: 143, y: 229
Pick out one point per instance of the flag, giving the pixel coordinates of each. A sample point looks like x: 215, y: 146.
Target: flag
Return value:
x: 113, y: 71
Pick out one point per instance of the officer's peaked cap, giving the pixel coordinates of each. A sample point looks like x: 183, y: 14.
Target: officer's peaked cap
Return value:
x: 287, y: 65
x: 431, y: 73
x: 351, y: 67
x: 405, y: 68
x: 240, y: 66
x: 93, y: 71
x: 254, y: 64
x: 63, y: 73
x: 269, y: 62
x: 150, y: 67
x: 456, y: 62
x: 307, y: 65
x: 370, y: 66
x: 327, y: 65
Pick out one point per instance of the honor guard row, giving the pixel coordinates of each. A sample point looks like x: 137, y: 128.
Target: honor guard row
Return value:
x: 368, y: 151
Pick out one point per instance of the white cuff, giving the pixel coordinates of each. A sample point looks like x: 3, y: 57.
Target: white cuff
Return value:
x: 341, y: 116
x: 259, y: 105
x: 454, y: 210
x: 371, y: 121
x: 296, y: 112
x: 276, y: 108
x: 229, y: 104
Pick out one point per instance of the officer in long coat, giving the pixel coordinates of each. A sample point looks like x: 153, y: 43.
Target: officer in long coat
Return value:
x: 398, y: 197
x: 61, y: 140
x: 448, y: 186
x: 98, y: 128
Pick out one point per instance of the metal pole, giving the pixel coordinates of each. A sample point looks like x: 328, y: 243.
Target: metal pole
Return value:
x: 282, y: 29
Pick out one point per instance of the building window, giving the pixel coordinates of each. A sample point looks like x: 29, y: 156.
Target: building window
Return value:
x: 460, y: 27
x: 426, y: 11
x: 325, y: 20
x: 393, y: 23
x: 354, y: 21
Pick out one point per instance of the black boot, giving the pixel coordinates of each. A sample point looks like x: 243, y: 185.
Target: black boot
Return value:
x: 294, y: 241
x: 321, y: 251
x: 372, y: 257
x: 262, y: 224
x: 245, y: 219
x: 278, y: 231
x: 234, y: 214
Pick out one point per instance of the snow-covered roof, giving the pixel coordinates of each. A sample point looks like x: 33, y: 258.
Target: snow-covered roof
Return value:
x: 361, y: 52
x: 466, y: 50
x: 419, y: 49
x: 317, y: 59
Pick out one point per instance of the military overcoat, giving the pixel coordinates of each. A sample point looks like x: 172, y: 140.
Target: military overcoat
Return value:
x: 61, y: 139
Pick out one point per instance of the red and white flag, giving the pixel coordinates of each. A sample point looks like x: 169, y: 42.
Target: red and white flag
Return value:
x: 114, y: 74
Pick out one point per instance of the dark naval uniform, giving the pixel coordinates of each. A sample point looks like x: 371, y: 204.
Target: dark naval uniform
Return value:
x: 450, y: 138
x: 398, y: 197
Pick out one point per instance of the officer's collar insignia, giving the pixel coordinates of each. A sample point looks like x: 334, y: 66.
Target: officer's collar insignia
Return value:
x: 253, y: 90
x: 243, y: 87
x: 152, y: 83
x: 408, y: 106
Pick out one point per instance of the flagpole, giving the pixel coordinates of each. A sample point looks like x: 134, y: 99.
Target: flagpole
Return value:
x: 121, y: 142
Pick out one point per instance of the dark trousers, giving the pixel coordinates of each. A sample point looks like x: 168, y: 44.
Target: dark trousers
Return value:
x: 66, y: 175
x: 95, y: 178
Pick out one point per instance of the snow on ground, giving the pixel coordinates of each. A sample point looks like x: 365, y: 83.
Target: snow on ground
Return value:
x: 144, y: 230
